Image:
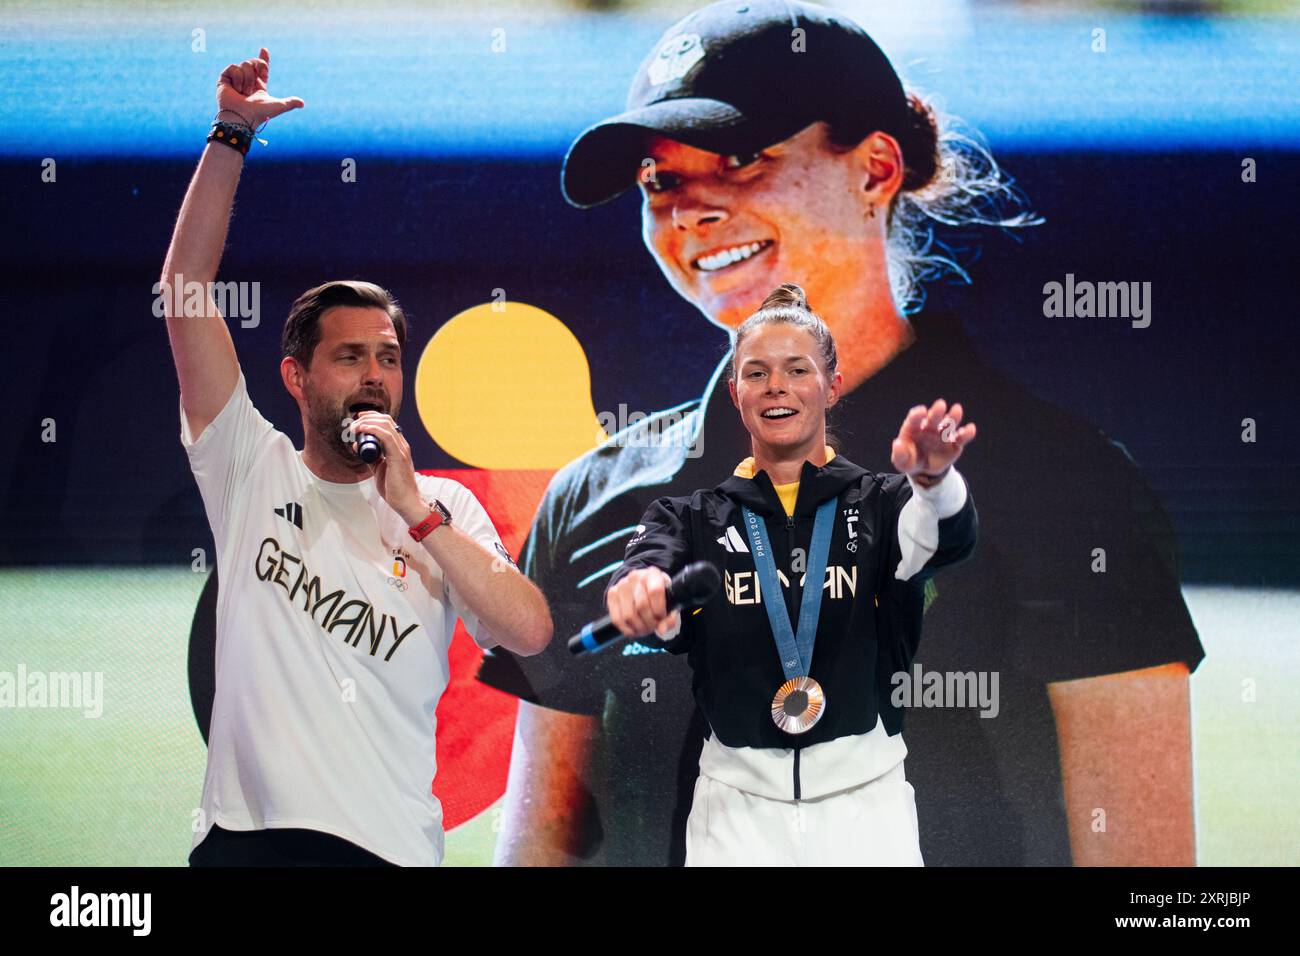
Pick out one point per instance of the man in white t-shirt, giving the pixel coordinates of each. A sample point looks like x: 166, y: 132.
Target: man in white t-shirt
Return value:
x: 341, y: 581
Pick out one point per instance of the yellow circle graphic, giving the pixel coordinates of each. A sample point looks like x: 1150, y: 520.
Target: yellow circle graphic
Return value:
x: 507, y: 385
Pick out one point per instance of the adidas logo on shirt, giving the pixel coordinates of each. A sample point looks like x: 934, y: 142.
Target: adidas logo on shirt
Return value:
x: 734, y: 542
x: 291, y: 512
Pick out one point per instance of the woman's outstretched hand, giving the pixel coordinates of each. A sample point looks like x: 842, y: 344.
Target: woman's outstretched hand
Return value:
x: 930, y: 440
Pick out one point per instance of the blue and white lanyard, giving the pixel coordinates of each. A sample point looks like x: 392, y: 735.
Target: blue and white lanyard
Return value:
x: 796, y: 653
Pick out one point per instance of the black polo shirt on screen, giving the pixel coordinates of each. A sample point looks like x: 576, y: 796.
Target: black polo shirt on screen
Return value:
x: 1027, y: 605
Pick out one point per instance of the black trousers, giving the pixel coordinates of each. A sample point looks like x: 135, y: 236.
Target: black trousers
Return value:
x: 280, y: 847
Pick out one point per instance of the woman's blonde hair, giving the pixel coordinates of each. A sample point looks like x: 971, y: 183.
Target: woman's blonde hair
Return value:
x: 950, y: 178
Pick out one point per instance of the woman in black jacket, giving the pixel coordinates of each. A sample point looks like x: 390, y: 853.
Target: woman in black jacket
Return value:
x: 804, y: 762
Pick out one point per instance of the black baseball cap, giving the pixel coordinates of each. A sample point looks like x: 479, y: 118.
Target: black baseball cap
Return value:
x: 736, y: 77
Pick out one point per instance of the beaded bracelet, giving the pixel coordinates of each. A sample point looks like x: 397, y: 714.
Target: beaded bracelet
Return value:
x: 237, y: 137
x: 242, y: 119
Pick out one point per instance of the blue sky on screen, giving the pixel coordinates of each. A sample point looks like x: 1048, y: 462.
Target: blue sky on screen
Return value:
x: 123, y: 81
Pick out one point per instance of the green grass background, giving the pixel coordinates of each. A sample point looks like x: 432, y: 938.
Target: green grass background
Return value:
x: 121, y: 789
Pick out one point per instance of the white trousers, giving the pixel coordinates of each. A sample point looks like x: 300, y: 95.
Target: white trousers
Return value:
x: 873, y: 824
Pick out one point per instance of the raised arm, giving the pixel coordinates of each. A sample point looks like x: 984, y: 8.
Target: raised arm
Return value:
x: 202, y: 348
x: 928, y: 444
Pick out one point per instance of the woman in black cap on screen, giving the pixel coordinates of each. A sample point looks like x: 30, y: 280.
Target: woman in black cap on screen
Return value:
x: 801, y: 766
x: 774, y: 141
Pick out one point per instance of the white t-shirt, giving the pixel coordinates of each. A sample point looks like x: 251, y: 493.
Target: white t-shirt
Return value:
x: 332, y: 636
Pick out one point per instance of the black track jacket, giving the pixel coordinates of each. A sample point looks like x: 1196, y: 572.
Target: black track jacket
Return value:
x: 868, y: 629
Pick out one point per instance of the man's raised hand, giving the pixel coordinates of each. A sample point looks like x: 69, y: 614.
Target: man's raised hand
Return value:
x: 242, y: 90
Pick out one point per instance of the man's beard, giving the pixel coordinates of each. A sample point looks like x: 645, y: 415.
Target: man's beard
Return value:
x: 325, y: 419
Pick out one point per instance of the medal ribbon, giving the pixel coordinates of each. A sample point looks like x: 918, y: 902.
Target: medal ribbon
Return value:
x: 796, y: 653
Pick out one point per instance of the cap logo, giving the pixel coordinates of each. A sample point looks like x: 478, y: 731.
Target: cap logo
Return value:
x: 675, y: 58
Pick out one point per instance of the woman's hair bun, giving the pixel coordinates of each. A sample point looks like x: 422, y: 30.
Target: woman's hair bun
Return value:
x: 787, y: 305
x: 787, y: 294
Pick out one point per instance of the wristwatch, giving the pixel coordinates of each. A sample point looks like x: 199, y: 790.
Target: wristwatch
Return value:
x: 438, y: 516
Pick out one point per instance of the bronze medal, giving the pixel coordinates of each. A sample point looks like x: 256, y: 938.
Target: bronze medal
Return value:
x: 798, y: 705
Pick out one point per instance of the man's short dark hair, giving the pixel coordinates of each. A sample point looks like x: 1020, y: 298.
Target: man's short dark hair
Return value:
x: 302, y: 328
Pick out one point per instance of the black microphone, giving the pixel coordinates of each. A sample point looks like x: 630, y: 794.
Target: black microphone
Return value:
x: 692, y: 586
x: 369, y: 449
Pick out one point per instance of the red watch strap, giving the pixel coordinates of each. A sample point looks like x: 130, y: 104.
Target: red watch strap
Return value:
x: 433, y: 520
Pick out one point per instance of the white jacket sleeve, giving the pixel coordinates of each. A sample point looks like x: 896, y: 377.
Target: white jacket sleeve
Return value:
x: 918, y: 522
